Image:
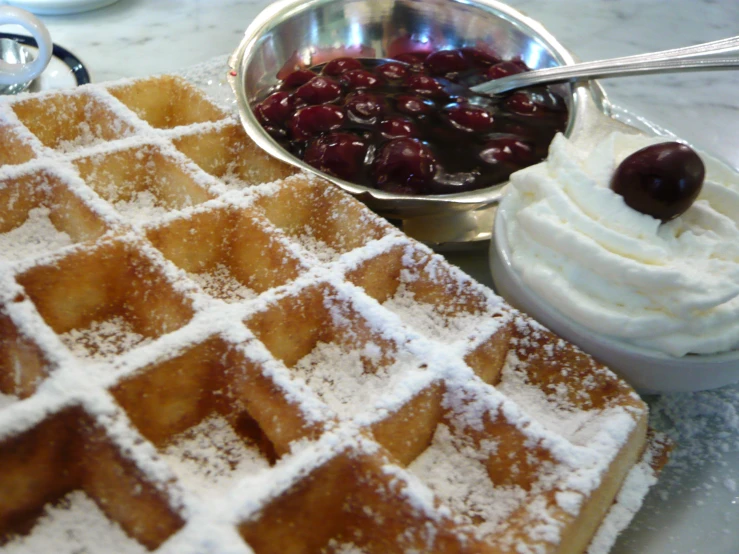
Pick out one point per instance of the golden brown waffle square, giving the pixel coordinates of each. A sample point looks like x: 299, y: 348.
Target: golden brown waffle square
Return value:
x: 201, y: 351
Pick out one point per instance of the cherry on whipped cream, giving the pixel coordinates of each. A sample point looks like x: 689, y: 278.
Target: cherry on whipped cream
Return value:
x: 400, y: 129
x: 662, y: 180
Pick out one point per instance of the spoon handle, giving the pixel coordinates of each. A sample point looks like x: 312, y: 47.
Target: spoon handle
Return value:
x: 719, y: 54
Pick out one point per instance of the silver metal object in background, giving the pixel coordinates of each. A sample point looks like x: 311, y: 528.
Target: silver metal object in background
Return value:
x: 15, y: 53
x: 719, y: 54
x: 300, y: 33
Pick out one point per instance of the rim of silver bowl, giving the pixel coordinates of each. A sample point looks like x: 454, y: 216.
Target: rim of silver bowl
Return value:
x: 581, y: 100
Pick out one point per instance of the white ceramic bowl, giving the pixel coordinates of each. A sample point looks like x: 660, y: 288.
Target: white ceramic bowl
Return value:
x: 646, y: 370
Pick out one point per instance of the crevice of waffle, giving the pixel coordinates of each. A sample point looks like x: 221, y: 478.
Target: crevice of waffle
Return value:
x: 439, y: 301
x: 407, y: 428
x: 166, y: 102
x: 74, y: 523
x: 15, y: 148
x: 226, y: 152
x: 539, y: 371
x: 91, y: 296
x: 142, y: 182
x: 214, y: 454
x: 71, y: 120
x: 39, y: 214
x: 351, y: 499
x: 23, y: 364
x: 324, y: 221
x: 171, y: 397
x: 226, y: 249
x: 68, y: 451
x: 326, y: 342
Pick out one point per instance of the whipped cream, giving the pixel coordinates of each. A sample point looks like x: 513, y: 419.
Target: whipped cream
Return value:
x: 671, y: 287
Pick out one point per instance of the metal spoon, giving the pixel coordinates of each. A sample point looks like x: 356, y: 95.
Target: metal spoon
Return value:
x: 719, y: 54
x: 12, y: 51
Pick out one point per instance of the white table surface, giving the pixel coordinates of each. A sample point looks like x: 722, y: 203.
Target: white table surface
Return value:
x: 695, y: 507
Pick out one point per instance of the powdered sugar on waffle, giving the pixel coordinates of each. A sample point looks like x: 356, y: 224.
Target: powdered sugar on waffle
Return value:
x: 455, y: 471
x: 426, y: 318
x: 345, y: 379
x: 343, y: 548
x: 86, y: 137
x: 220, y: 283
x: 210, y: 456
x: 74, y: 525
x: 36, y: 236
x: 7, y: 400
x: 142, y: 205
x: 555, y: 410
x: 628, y: 502
x: 103, y: 339
x: 318, y: 248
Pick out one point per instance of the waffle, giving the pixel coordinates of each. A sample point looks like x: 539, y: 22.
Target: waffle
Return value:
x: 202, y: 351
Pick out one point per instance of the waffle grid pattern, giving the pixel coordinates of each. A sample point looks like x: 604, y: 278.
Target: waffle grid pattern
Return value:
x: 226, y: 357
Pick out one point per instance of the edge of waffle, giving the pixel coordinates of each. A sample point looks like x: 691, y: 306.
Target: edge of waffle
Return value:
x: 220, y: 356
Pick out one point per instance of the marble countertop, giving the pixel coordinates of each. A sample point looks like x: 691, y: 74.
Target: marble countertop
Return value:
x: 142, y: 37
x: 693, y: 509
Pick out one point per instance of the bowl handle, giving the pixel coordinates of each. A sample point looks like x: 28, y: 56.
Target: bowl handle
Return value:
x: 11, y: 74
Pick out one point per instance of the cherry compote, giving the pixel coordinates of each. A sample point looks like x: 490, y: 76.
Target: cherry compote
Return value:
x: 398, y: 126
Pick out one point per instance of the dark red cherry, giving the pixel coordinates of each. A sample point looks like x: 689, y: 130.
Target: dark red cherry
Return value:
x: 339, y: 66
x: 425, y: 86
x: 393, y: 70
x: 278, y: 133
x: 319, y: 90
x: 395, y: 127
x: 548, y: 100
x: 364, y: 107
x: 662, y: 180
x: 470, y: 79
x: 507, y: 150
x: 413, y: 59
x: 404, y: 162
x: 276, y: 108
x: 467, y: 117
x: 522, y: 103
x: 414, y: 105
x: 442, y: 62
x: 361, y: 79
x: 297, y: 78
x: 312, y: 120
x: 503, y: 69
x: 338, y: 154
x: 480, y: 57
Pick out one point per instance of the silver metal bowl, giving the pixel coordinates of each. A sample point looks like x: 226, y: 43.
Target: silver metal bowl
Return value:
x: 304, y: 33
